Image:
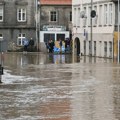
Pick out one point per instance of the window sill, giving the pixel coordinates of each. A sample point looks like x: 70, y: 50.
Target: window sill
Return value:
x: 22, y: 21
x: 100, y: 25
x: 110, y: 25
x: 105, y: 25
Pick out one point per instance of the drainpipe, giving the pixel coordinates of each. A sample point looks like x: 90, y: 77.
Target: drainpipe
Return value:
x: 39, y: 25
x: 1, y: 62
x: 118, y: 29
x: 36, y: 12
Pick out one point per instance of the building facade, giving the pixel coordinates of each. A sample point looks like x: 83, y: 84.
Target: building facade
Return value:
x: 55, y: 20
x: 94, y: 36
x: 17, y: 22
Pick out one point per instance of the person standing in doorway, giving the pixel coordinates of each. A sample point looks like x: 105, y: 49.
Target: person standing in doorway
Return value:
x: 52, y: 45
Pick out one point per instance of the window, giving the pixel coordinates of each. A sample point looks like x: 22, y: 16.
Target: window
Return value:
x: 70, y: 16
x: 53, y: 16
x: 89, y: 16
x: 110, y: 49
x: 110, y: 46
x: 48, y: 37
x: 105, y: 15
x: 78, y: 17
x: 21, y: 14
x: 94, y: 47
x: 95, y: 19
x: 100, y: 14
x: 74, y: 22
x: 1, y: 37
x: 1, y: 13
x: 105, y: 48
x: 110, y: 14
x: 84, y: 47
x: 84, y: 19
x: 90, y: 47
x: 20, y: 40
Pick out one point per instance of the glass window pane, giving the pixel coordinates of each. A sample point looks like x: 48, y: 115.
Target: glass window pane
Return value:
x: 21, y: 14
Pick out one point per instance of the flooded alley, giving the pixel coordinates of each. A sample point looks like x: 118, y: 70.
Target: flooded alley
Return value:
x: 59, y: 87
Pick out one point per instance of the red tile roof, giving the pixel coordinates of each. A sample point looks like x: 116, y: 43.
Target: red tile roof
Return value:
x: 55, y: 2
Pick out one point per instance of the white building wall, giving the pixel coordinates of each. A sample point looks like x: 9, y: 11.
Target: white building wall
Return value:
x: 103, y: 27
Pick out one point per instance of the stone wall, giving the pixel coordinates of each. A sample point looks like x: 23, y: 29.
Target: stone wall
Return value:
x: 10, y: 27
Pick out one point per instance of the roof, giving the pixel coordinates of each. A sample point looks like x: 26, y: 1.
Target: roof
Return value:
x: 55, y: 2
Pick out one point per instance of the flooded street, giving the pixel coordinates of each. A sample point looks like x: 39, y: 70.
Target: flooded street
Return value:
x: 59, y: 87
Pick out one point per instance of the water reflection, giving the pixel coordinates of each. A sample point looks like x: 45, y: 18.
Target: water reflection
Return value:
x: 37, y: 58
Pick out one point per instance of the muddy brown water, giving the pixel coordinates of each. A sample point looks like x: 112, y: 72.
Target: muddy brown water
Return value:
x: 59, y: 87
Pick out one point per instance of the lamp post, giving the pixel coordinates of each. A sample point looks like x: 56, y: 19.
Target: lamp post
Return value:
x: 91, y: 28
x: 118, y: 28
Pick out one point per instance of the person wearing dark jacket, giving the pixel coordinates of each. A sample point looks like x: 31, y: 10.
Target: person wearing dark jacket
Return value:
x: 31, y: 45
x: 52, y: 45
x: 60, y: 43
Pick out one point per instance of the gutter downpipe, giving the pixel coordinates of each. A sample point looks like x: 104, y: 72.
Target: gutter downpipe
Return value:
x: 118, y: 29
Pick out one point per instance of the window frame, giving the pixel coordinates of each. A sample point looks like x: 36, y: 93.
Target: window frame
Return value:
x: 70, y: 16
x: 21, y: 14
x: 110, y: 13
x: 100, y: 14
x: 74, y: 17
x: 53, y: 16
x: 89, y: 16
x: 105, y: 14
x: 20, y: 38
x: 1, y: 13
x: 85, y: 19
x: 78, y: 18
x: 1, y: 37
x: 95, y: 19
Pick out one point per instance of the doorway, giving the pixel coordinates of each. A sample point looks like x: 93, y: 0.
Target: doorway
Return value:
x: 77, y: 46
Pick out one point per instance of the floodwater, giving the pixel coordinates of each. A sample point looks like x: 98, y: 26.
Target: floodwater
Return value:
x: 59, y: 87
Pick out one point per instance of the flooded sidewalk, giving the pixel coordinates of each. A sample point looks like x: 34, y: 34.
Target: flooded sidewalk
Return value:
x: 59, y: 87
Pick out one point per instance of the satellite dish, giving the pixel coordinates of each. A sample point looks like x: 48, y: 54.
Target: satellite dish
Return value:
x: 82, y: 14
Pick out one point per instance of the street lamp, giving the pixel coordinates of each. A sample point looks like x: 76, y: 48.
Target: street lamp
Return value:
x: 118, y: 28
x: 91, y: 26
x: 92, y: 15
